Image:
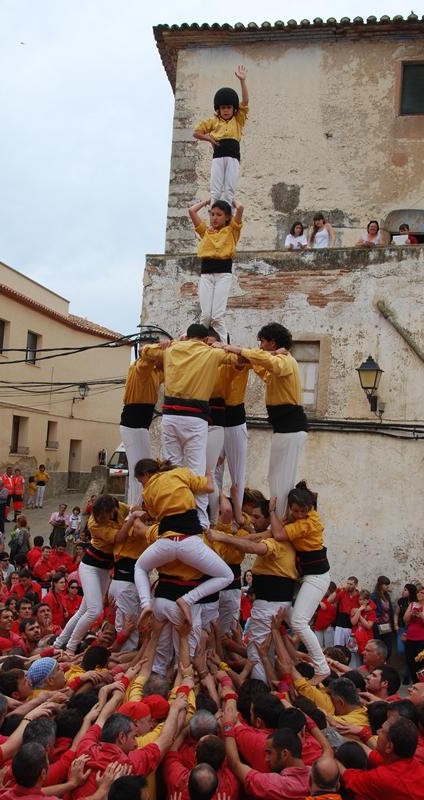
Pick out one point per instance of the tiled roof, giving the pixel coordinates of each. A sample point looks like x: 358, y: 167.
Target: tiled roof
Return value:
x: 172, y: 38
x: 70, y: 320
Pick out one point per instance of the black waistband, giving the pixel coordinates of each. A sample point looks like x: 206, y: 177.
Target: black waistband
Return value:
x: 236, y: 583
x: 287, y: 418
x: 97, y: 558
x: 137, y: 415
x: 212, y: 265
x: 186, y: 523
x: 343, y: 620
x: 273, y: 588
x: 314, y: 562
x: 217, y: 411
x: 187, y: 408
x: 172, y: 588
x: 235, y: 415
x: 124, y: 569
x: 227, y: 147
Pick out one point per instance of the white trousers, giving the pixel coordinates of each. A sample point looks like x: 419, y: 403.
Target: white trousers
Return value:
x: 283, y: 460
x: 127, y: 604
x: 94, y: 582
x: 341, y: 636
x: 260, y: 626
x: 235, y: 448
x: 229, y: 609
x: 224, y: 178
x: 137, y: 446
x: 184, y: 441
x: 213, y: 295
x: 169, y: 641
x: 209, y: 612
x: 213, y: 452
x: 192, y: 551
x: 325, y: 637
x: 310, y: 594
x: 39, y: 496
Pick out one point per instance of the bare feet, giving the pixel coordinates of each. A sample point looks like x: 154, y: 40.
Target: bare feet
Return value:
x: 185, y: 609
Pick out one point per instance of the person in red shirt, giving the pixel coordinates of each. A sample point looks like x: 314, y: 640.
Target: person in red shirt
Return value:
x: 43, y: 615
x: 25, y: 585
x: 112, y: 738
x: 55, y: 598
x: 210, y: 750
x: 35, y: 553
x: 6, y: 622
x: 60, y: 559
x: 72, y: 600
x: 325, y: 617
x: 29, y: 768
x: 24, y: 609
x: 43, y: 568
x: 382, y: 683
x: 346, y: 599
x: 394, y: 773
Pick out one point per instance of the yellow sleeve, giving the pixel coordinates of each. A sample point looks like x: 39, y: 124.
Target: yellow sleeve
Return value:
x: 205, y: 126
x: 277, y: 364
x: 201, y: 229
x: 303, y: 528
x: 152, y: 352
x: 135, y: 690
x: 318, y: 696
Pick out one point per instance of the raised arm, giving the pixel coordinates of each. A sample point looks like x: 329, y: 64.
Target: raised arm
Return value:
x: 238, y: 216
x: 241, y: 73
x: 193, y: 210
x: 244, y: 545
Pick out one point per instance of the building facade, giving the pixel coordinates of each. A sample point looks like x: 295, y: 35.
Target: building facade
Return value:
x: 61, y: 384
x: 329, y: 129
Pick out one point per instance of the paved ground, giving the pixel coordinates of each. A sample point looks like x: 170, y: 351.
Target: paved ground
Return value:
x: 38, y: 518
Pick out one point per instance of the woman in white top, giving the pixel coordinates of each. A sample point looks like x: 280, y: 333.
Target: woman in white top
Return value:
x: 296, y: 239
x: 372, y: 236
x: 322, y: 233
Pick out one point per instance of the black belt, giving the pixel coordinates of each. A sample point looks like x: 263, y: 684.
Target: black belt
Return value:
x: 186, y: 523
x: 287, y: 418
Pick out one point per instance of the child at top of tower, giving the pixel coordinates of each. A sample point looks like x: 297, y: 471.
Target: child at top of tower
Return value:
x: 224, y: 131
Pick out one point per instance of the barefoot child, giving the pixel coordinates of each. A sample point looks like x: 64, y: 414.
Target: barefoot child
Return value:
x: 223, y: 132
x: 168, y: 495
x: 304, y: 530
x: 217, y: 249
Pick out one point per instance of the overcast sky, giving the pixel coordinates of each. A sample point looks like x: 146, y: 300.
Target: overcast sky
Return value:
x: 85, y: 130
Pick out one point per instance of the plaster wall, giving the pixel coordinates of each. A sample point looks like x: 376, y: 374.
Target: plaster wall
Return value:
x: 324, y: 134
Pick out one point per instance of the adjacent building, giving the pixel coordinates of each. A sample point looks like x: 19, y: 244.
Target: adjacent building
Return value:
x: 61, y: 383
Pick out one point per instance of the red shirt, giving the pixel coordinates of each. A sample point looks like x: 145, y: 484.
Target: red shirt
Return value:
x: 401, y: 780
x: 143, y: 761
x: 22, y: 793
x: 251, y: 746
x: 58, y: 608
x: 346, y: 602
x: 43, y: 569
x: 176, y: 777
x: 32, y: 556
x: 72, y: 604
x: 19, y: 590
x: 291, y: 784
x: 63, y: 560
x: 325, y: 616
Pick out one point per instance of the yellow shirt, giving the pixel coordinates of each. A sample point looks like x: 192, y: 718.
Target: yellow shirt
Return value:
x: 280, y: 374
x: 143, y: 381
x: 228, y: 553
x: 133, y: 546
x: 190, y: 368
x: 234, y: 382
x: 306, y: 534
x: 172, y: 492
x: 225, y: 129
x: 322, y: 699
x: 218, y: 243
x: 103, y: 534
x: 41, y: 476
x: 280, y: 560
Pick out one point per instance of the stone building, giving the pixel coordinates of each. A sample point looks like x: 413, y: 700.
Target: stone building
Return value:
x: 335, y: 125
x: 59, y: 410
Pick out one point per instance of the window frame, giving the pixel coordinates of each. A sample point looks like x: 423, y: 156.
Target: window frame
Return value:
x: 406, y: 64
x: 31, y: 352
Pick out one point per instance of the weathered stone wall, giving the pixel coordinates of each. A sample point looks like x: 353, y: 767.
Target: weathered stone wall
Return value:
x: 323, y: 134
x: 369, y: 485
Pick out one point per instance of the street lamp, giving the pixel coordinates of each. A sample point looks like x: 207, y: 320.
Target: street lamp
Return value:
x: 369, y: 376
x: 83, y: 390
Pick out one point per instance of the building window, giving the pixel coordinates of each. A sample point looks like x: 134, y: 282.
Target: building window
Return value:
x: 19, y: 438
x: 52, y: 442
x: 31, y: 348
x: 3, y: 324
x: 412, y: 91
x: 307, y: 355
